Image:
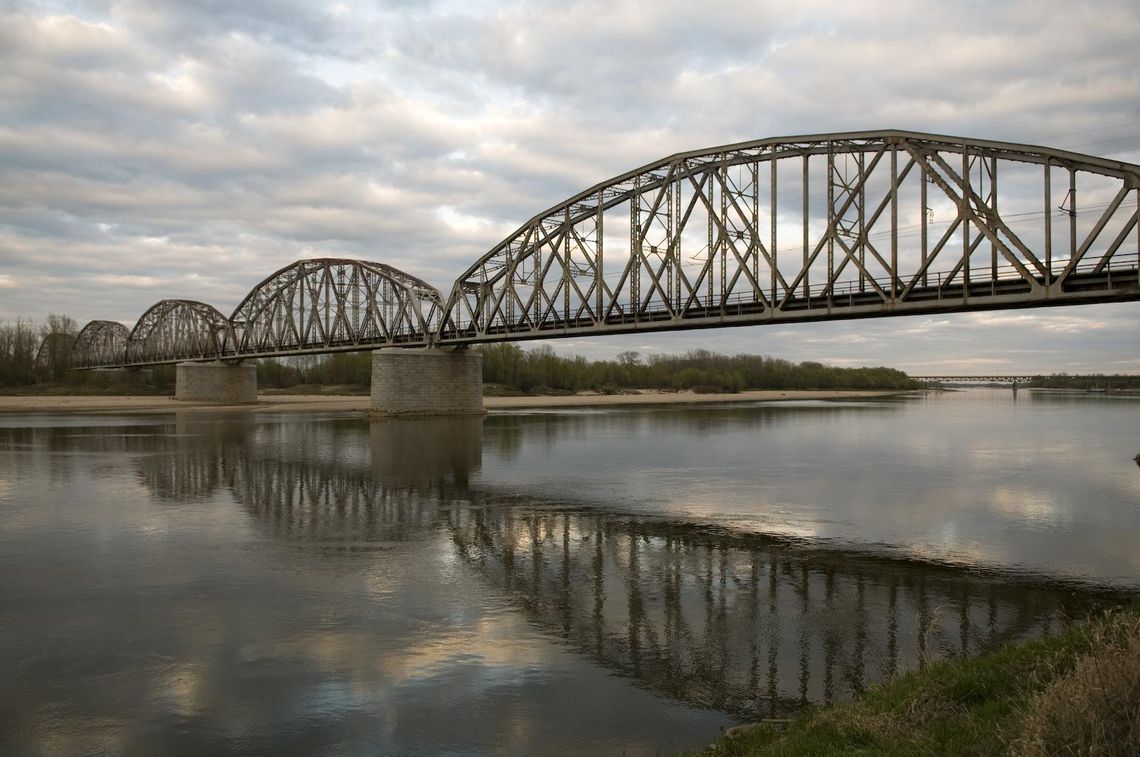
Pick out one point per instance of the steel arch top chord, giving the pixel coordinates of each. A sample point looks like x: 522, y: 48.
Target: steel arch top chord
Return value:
x: 100, y: 344
x: 178, y: 330
x: 808, y: 228
x: 326, y: 304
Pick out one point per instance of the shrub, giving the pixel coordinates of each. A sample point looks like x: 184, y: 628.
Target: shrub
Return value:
x: 1095, y: 707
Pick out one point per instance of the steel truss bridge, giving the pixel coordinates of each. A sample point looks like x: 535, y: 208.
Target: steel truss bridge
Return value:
x: 782, y: 230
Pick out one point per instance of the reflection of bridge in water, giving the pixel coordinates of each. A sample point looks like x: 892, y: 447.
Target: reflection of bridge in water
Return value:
x: 741, y: 623
x: 396, y: 495
x: 316, y: 485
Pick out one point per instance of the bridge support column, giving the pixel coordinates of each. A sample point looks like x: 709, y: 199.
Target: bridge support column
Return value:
x: 215, y: 382
x: 411, y: 382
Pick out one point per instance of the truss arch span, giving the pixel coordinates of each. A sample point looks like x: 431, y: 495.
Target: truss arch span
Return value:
x: 100, y: 344
x: 331, y: 304
x: 173, y: 330
x: 809, y: 228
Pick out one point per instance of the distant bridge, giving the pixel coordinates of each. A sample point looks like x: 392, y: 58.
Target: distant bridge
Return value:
x: 823, y: 227
x: 990, y: 379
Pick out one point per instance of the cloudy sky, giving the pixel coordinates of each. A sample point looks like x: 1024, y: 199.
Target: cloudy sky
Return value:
x: 153, y: 148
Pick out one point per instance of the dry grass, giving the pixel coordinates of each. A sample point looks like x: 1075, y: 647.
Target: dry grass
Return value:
x: 1094, y: 708
x: 1076, y: 693
x: 930, y: 705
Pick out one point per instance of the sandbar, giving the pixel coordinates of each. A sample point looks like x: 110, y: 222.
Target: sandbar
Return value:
x: 275, y: 403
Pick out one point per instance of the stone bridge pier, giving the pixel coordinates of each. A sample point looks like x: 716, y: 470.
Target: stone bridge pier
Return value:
x: 420, y: 382
x: 216, y: 382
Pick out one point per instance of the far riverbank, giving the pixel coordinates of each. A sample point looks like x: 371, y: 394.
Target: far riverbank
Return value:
x: 135, y: 405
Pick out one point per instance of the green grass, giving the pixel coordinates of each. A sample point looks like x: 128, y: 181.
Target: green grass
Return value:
x: 1000, y: 703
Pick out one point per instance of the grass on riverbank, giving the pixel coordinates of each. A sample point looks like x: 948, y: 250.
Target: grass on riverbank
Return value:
x: 1077, y: 693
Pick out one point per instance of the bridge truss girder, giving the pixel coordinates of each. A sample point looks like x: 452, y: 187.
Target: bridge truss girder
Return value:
x: 100, y: 344
x: 991, y: 379
x: 821, y: 227
x: 811, y: 228
x: 173, y: 330
x: 331, y: 304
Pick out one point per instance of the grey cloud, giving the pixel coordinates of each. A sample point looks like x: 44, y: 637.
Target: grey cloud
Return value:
x: 245, y: 77
x: 150, y: 149
x: 183, y: 23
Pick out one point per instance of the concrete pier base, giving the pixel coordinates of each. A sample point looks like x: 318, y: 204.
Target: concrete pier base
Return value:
x: 420, y: 382
x: 215, y: 382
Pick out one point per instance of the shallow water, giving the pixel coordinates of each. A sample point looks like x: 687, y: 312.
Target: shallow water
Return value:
x: 587, y: 581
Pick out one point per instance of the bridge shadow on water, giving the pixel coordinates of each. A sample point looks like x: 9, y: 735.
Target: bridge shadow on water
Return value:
x: 744, y: 623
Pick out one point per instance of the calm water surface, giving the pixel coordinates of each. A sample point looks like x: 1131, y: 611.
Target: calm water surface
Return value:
x: 609, y: 582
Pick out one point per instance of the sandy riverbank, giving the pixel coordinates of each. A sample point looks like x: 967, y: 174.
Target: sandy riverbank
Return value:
x: 338, y: 403
x: 675, y: 398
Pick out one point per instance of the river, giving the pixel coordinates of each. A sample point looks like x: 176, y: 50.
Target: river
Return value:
x: 617, y: 581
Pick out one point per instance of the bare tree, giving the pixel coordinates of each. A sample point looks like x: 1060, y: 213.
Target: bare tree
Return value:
x: 629, y: 358
x: 53, y: 359
x: 17, y: 352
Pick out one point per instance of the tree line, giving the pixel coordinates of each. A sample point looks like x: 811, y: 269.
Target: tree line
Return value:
x: 32, y: 354
x: 335, y: 369
x: 41, y: 354
x: 510, y: 368
x: 541, y: 369
x: 1086, y: 381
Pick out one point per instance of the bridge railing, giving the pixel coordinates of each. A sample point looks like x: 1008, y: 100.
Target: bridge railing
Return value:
x: 1122, y: 268
x: 938, y: 285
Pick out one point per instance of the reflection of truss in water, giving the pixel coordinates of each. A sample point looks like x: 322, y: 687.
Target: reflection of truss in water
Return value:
x: 183, y: 476
x: 326, y: 505
x: 188, y: 464
x: 318, y: 490
x: 393, y: 494
x: 739, y: 624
